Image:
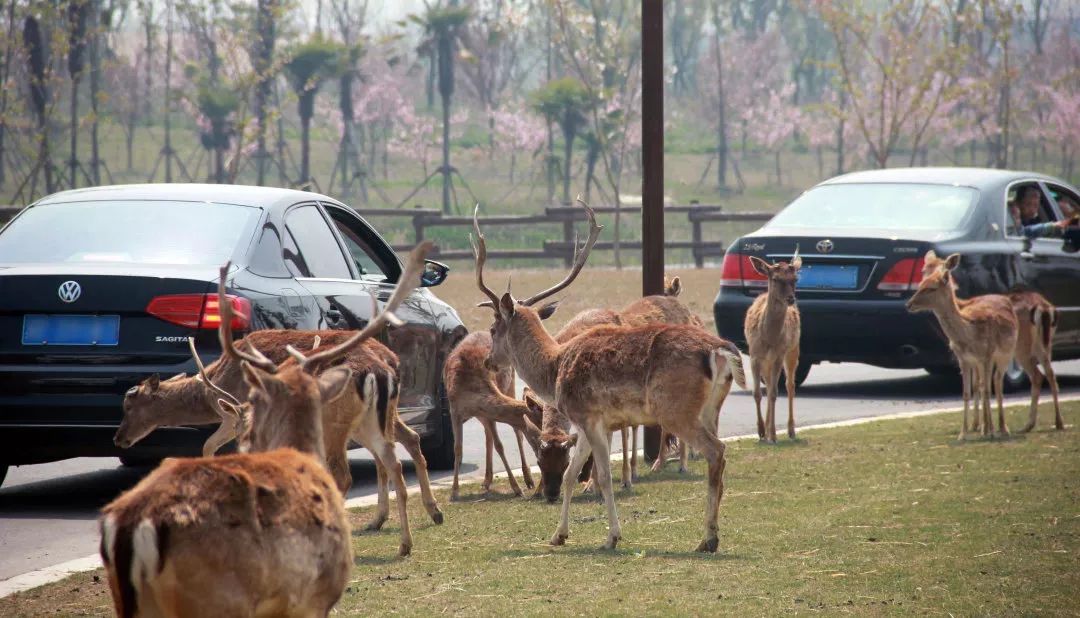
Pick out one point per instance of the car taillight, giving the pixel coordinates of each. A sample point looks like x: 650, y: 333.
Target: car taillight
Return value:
x: 199, y: 310
x: 739, y: 272
x: 903, y: 276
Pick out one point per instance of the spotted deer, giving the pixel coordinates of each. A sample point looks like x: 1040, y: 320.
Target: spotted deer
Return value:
x: 478, y: 389
x: 772, y: 328
x: 273, y: 383
x: 611, y: 377
x: 982, y: 333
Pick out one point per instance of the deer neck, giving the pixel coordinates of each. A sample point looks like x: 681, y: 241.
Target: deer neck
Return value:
x: 775, y: 308
x: 955, y: 325
x: 535, y: 354
x: 190, y: 398
x: 298, y: 429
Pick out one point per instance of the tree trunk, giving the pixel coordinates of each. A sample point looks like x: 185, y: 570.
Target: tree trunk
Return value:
x: 446, y: 154
x: 590, y: 168
x: 568, y: 150
x: 95, y: 89
x: 549, y: 163
x: 265, y: 31
x: 305, y: 149
x: 5, y: 73
x: 779, y: 179
x: 721, y: 129
x: 73, y: 162
x: 168, y: 90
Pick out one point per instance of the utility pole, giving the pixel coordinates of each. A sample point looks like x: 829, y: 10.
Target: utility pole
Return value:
x: 652, y: 156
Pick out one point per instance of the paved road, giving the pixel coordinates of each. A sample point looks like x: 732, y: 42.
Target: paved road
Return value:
x: 48, y: 511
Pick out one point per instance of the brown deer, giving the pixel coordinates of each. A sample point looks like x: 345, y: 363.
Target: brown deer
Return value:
x: 478, y: 389
x: 614, y: 376
x: 1036, y: 320
x: 272, y: 383
x: 238, y: 535
x: 772, y: 329
x: 982, y: 333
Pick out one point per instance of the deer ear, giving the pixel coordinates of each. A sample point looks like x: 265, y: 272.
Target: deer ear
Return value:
x: 506, y: 306
x: 228, y: 408
x: 153, y: 382
x: 333, y: 382
x: 952, y: 261
x: 673, y: 287
x: 548, y: 310
x: 255, y: 377
x: 760, y: 265
x: 797, y: 262
x: 533, y: 403
x: 930, y: 256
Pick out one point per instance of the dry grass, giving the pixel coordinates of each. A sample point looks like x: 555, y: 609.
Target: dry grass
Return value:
x: 889, y: 518
x: 594, y: 287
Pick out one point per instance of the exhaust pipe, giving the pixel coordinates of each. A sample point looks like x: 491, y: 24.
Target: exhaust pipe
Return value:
x: 909, y: 350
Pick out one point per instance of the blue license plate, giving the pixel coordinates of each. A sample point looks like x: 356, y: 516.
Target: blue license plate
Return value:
x: 97, y: 330
x: 828, y: 277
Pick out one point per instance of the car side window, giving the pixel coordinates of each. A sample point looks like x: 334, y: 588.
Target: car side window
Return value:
x: 368, y: 261
x: 310, y: 248
x: 1018, y: 195
x: 1067, y: 201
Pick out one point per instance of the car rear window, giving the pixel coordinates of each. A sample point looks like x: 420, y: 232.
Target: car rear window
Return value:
x: 136, y: 231
x: 882, y: 206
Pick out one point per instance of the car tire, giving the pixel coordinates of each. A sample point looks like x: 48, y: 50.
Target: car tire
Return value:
x: 439, y: 449
x: 3, y: 473
x: 134, y: 461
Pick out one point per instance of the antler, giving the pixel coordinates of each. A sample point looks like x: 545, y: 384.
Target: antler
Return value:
x: 479, y: 247
x: 225, y: 330
x: 581, y: 255
x: 205, y: 379
x: 410, y: 278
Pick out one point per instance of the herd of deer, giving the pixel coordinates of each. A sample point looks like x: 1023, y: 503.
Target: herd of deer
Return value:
x: 264, y: 532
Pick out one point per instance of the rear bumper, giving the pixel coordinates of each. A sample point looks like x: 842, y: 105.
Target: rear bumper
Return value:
x: 29, y: 444
x: 875, y: 332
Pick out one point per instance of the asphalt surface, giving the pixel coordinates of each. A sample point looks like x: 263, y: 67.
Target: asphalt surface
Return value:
x: 48, y: 511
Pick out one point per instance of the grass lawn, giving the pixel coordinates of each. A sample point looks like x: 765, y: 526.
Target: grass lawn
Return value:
x: 893, y: 517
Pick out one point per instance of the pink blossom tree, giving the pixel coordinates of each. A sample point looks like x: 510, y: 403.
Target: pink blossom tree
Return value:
x: 518, y: 131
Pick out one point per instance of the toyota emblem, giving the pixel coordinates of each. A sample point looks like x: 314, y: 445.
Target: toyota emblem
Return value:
x: 70, y: 291
x: 825, y: 246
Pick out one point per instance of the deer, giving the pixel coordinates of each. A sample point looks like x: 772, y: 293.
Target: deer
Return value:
x: 772, y: 329
x: 982, y: 333
x: 183, y: 401
x: 271, y: 383
x: 609, y: 377
x: 478, y: 389
x: 1037, y: 319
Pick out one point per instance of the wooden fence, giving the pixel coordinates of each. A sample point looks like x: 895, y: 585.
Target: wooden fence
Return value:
x: 424, y: 218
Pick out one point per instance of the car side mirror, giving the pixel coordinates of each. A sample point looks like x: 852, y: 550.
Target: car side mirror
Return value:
x: 434, y: 273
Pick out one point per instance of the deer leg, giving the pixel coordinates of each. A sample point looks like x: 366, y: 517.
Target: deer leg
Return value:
x: 999, y: 393
x: 489, y: 448
x: 1059, y: 423
x: 411, y: 441
x: 983, y: 373
x: 773, y: 378
x: 570, y: 476
x: 684, y: 456
x: 393, y: 470
x: 459, y: 435
x: 598, y: 437
x: 791, y: 362
x: 758, y: 381
x: 713, y: 450
x: 493, y: 430
x: 1031, y: 368
x: 226, y: 431
x: 382, y: 510
x: 526, y: 473
x: 633, y: 453
x: 965, y: 386
x: 626, y: 482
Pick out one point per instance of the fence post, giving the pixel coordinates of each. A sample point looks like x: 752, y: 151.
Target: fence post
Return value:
x: 418, y: 227
x: 568, y: 237
x: 695, y: 228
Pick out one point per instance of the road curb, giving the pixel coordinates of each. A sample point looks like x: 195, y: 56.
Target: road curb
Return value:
x: 48, y: 575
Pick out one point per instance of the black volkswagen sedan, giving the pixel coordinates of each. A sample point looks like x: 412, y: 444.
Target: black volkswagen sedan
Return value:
x: 101, y: 287
x: 862, y: 237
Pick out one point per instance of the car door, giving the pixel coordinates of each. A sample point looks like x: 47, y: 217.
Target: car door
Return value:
x: 1045, y: 267
x: 1065, y: 270
x: 416, y: 342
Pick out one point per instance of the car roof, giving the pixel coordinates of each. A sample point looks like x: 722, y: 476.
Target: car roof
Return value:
x: 243, y: 195
x: 978, y: 177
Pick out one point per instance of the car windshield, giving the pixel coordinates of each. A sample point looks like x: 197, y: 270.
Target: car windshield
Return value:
x: 880, y: 206
x: 135, y: 231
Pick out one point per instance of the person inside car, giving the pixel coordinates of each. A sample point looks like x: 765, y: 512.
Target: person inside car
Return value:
x: 1025, y: 213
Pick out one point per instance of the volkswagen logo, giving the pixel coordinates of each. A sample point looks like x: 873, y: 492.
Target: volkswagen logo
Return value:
x: 825, y: 246
x: 70, y: 291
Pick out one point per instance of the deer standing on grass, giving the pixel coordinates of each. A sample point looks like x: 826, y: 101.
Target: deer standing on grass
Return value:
x: 772, y: 329
x: 1036, y: 319
x: 478, y: 389
x: 613, y: 376
x: 982, y: 333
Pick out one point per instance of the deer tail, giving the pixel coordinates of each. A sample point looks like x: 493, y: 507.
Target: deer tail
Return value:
x: 132, y: 557
x: 1045, y: 320
x: 733, y: 365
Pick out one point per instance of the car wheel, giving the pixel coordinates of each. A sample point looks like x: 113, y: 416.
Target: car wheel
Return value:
x: 1015, y: 378
x: 134, y: 461
x: 3, y: 473
x: 439, y: 449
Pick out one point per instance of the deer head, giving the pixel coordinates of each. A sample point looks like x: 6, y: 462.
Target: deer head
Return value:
x: 286, y: 400
x: 554, y: 455
x: 936, y: 287
x: 143, y: 408
x: 782, y: 276
x: 507, y: 306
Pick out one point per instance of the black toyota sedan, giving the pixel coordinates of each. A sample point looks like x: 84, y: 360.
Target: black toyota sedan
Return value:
x: 862, y: 237
x: 101, y: 287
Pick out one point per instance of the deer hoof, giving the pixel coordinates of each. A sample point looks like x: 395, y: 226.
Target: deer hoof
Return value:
x: 612, y: 542
x: 1028, y: 428
x: 405, y: 549
x: 558, y: 539
x: 375, y: 525
x: 791, y: 434
x: 708, y: 546
x: 683, y: 470
x: 437, y: 517
x: 627, y: 485
x: 634, y: 477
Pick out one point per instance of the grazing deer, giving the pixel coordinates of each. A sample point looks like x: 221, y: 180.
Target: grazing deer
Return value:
x: 271, y: 383
x: 614, y: 376
x: 772, y: 329
x: 478, y: 389
x: 252, y: 534
x: 982, y: 333
x: 1036, y: 320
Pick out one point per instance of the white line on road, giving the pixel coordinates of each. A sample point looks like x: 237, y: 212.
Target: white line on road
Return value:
x: 40, y: 577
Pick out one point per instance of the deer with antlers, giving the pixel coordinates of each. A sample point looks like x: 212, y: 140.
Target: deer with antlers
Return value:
x: 772, y: 329
x: 611, y: 377
x: 982, y: 333
x: 478, y: 389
